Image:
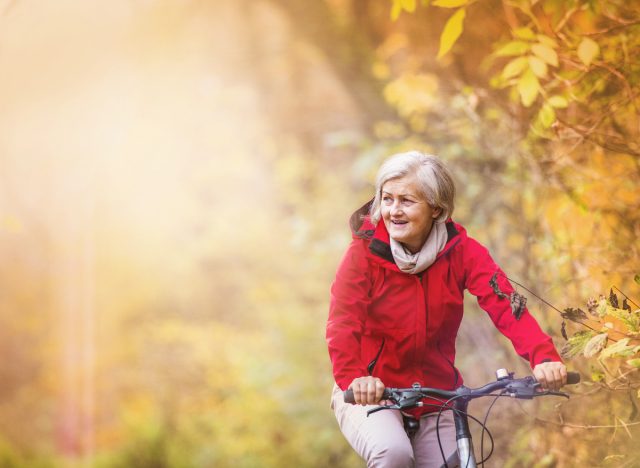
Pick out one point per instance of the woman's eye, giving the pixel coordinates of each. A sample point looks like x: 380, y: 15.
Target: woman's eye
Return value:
x: 386, y: 199
x: 407, y: 202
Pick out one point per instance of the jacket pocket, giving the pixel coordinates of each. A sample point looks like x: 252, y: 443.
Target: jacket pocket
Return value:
x: 371, y: 366
x: 371, y: 348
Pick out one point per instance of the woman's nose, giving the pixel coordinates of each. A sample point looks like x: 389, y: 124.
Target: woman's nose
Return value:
x: 395, y: 208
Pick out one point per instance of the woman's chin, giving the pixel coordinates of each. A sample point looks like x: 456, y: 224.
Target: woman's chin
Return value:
x: 398, y: 235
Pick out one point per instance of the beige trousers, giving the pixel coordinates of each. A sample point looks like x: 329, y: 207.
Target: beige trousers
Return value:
x: 381, y: 441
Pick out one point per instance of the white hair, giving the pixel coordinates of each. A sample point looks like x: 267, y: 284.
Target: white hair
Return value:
x: 434, y: 179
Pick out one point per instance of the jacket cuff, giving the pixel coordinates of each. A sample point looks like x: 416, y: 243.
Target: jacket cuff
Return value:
x: 549, y: 356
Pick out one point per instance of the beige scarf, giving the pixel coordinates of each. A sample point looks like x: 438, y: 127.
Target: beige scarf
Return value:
x: 417, y: 263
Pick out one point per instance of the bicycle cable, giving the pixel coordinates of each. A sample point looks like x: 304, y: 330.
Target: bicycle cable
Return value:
x: 484, y: 425
x: 444, y: 407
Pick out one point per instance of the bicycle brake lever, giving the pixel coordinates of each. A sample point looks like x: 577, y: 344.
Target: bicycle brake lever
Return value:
x: 380, y: 408
x: 410, y: 404
x: 554, y: 393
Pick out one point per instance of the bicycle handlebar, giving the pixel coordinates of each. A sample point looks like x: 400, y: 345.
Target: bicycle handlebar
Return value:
x: 525, y: 388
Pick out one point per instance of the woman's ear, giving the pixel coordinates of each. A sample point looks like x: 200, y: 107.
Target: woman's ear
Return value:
x: 436, y: 213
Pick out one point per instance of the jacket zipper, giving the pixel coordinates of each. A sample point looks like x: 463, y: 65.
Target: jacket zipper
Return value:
x: 456, y: 373
x: 373, y: 362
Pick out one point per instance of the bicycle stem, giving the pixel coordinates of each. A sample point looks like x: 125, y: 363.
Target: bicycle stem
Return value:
x: 463, y: 434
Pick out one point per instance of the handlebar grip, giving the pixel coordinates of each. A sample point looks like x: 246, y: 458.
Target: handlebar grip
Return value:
x: 349, y: 397
x: 573, y: 378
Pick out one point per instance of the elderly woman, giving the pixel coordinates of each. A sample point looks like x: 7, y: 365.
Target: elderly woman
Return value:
x: 397, y: 303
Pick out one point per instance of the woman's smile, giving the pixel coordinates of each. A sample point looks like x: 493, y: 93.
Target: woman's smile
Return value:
x: 406, y: 213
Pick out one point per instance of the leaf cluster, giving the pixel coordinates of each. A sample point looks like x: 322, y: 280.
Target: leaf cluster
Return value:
x: 612, y: 334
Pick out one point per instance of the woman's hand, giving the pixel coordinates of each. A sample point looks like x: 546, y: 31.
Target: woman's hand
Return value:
x: 551, y: 375
x: 367, y: 390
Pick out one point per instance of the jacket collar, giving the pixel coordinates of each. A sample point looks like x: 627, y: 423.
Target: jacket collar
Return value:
x: 380, y: 246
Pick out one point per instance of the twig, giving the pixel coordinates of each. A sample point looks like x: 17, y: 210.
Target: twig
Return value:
x: 621, y: 77
x: 626, y: 297
x: 578, y: 426
x: 530, y: 291
x: 605, y: 145
x: 612, y: 28
x: 625, y: 428
x: 581, y: 426
x: 564, y: 19
x: 615, y: 431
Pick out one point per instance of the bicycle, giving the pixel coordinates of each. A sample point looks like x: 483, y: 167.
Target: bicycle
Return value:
x: 458, y: 400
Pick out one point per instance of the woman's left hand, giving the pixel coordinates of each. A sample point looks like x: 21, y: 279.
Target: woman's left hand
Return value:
x: 551, y: 375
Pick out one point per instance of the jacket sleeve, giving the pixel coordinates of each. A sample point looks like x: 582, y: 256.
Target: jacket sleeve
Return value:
x: 347, y: 313
x: 525, y: 334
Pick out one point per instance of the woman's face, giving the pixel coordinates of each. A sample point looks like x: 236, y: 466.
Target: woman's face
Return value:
x: 405, y: 212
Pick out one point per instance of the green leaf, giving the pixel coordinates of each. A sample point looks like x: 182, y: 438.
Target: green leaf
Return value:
x: 595, y: 345
x: 546, y: 53
x: 621, y: 348
x: 524, y: 33
x: 635, y: 362
x: 512, y: 48
x: 559, y: 102
x: 514, y: 68
x: 538, y: 66
x: 575, y: 345
x: 528, y: 88
x: 588, y: 50
x: 450, y: 3
x: 546, y: 116
x: 409, y: 5
x: 451, y: 32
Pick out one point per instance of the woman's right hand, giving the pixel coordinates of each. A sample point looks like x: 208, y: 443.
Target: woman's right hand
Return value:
x: 367, y: 390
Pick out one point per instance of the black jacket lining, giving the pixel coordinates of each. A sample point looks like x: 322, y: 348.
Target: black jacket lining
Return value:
x: 451, y: 231
x: 355, y: 222
x: 382, y: 249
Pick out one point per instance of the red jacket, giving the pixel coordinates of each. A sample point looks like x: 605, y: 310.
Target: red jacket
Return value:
x: 402, y: 328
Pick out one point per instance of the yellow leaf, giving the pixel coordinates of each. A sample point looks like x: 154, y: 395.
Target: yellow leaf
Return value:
x: 538, y: 66
x: 528, y: 88
x: 396, y: 9
x: 514, y: 67
x: 546, y: 53
x: 547, y: 40
x: 409, y: 5
x: 412, y: 94
x: 559, y: 102
x: 546, y: 116
x: 450, y: 3
x: 512, y: 48
x: 524, y: 33
x: 380, y: 70
x: 588, y: 50
x: 451, y: 32
x: 635, y: 362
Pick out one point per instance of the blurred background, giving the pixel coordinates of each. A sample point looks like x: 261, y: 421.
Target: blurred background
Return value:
x: 176, y: 178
